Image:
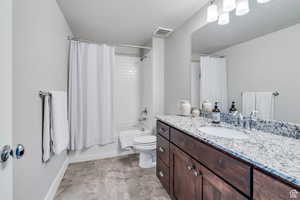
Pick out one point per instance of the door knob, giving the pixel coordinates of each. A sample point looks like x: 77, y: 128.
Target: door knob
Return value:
x: 5, y: 153
x: 19, y: 152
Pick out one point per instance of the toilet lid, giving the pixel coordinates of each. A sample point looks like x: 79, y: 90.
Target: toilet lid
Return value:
x: 145, y: 139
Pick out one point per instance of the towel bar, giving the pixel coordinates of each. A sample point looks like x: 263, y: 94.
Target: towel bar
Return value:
x: 276, y: 93
x: 41, y: 93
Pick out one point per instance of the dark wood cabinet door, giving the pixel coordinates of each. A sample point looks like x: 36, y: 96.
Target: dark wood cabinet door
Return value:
x: 215, y: 188
x: 185, y: 181
x: 267, y: 188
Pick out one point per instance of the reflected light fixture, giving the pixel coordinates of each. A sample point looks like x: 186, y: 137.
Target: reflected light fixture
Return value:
x: 263, y: 1
x: 229, y: 5
x: 224, y: 18
x: 212, y: 12
x: 242, y: 7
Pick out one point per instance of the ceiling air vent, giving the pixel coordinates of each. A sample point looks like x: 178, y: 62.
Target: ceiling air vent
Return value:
x: 162, y: 32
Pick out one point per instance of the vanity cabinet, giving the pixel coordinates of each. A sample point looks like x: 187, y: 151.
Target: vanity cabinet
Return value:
x: 190, y: 169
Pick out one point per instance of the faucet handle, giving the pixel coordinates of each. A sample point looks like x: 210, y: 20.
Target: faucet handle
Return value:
x: 241, y: 117
x: 253, y: 114
x: 144, y: 111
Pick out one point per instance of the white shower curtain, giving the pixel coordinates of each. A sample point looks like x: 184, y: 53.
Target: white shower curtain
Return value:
x: 90, y: 95
x: 213, y: 82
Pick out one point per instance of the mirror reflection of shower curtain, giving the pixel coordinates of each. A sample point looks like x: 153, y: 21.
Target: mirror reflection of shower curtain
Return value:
x: 213, y: 81
x: 90, y: 95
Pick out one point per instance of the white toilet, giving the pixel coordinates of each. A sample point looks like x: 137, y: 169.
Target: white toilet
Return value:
x: 143, y: 143
x: 146, y: 146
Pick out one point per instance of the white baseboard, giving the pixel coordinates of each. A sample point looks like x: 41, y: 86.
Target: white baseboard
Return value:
x: 55, y: 184
x: 89, y: 157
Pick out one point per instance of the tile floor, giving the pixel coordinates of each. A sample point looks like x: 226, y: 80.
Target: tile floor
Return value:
x: 117, y: 178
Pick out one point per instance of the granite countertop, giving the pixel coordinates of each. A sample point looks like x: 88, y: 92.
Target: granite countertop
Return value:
x: 276, y: 154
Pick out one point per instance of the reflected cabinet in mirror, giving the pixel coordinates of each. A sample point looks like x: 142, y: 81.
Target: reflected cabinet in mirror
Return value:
x: 253, y: 61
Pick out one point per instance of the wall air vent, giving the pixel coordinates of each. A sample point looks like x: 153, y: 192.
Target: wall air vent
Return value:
x: 162, y: 32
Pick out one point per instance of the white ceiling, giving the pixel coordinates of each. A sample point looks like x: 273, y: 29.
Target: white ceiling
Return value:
x: 262, y: 19
x: 125, y: 21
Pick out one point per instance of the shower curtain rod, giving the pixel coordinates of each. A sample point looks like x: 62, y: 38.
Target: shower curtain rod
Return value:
x: 213, y: 56
x: 120, y: 45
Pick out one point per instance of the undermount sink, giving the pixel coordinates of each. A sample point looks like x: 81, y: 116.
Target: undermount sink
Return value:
x: 223, y: 132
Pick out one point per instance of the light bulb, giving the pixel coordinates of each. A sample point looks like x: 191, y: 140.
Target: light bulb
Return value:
x: 242, y: 7
x: 212, y: 13
x: 229, y: 5
x: 263, y: 1
x: 224, y: 19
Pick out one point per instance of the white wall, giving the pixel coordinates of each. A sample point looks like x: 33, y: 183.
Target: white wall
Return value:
x: 146, y: 89
x: 127, y: 51
x: 6, y: 169
x: 126, y: 91
x: 268, y: 63
x: 158, y: 53
x: 40, y: 50
x: 152, y: 82
x: 177, y: 62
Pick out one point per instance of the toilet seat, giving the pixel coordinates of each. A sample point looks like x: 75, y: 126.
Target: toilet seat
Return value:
x: 142, y: 143
x: 145, y: 140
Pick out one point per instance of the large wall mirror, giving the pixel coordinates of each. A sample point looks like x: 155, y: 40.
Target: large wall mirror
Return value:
x: 254, y: 61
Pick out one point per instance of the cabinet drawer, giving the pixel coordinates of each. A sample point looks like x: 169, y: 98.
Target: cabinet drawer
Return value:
x: 163, y: 149
x: 232, y: 170
x: 163, y: 130
x: 163, y: 174
x: 268, y: 188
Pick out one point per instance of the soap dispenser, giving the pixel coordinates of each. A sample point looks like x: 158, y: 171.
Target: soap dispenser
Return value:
x: 233, y: 108
x: 216, y: 114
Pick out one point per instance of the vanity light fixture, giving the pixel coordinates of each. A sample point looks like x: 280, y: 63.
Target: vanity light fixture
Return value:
x: 263, y: 1
x: 224, y: 18
x: 229, y: 5
x: 212, y: 12
x: 242, y: 7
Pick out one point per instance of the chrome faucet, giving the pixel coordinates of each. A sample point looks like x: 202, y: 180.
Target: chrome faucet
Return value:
x: 237, y: 119
x: 253, y: 119
x: 143, y: 115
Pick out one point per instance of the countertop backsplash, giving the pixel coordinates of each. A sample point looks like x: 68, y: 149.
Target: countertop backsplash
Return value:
x: 276, y: 127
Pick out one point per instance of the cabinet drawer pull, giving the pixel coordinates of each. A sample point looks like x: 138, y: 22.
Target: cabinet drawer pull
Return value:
x: 196, y: 173
x: 190, y: 167
x: 162, y: 130
x: 161, y: 174
x: 161, y: 149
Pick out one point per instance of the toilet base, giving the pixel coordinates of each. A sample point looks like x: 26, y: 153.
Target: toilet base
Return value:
x: 147, y: 159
